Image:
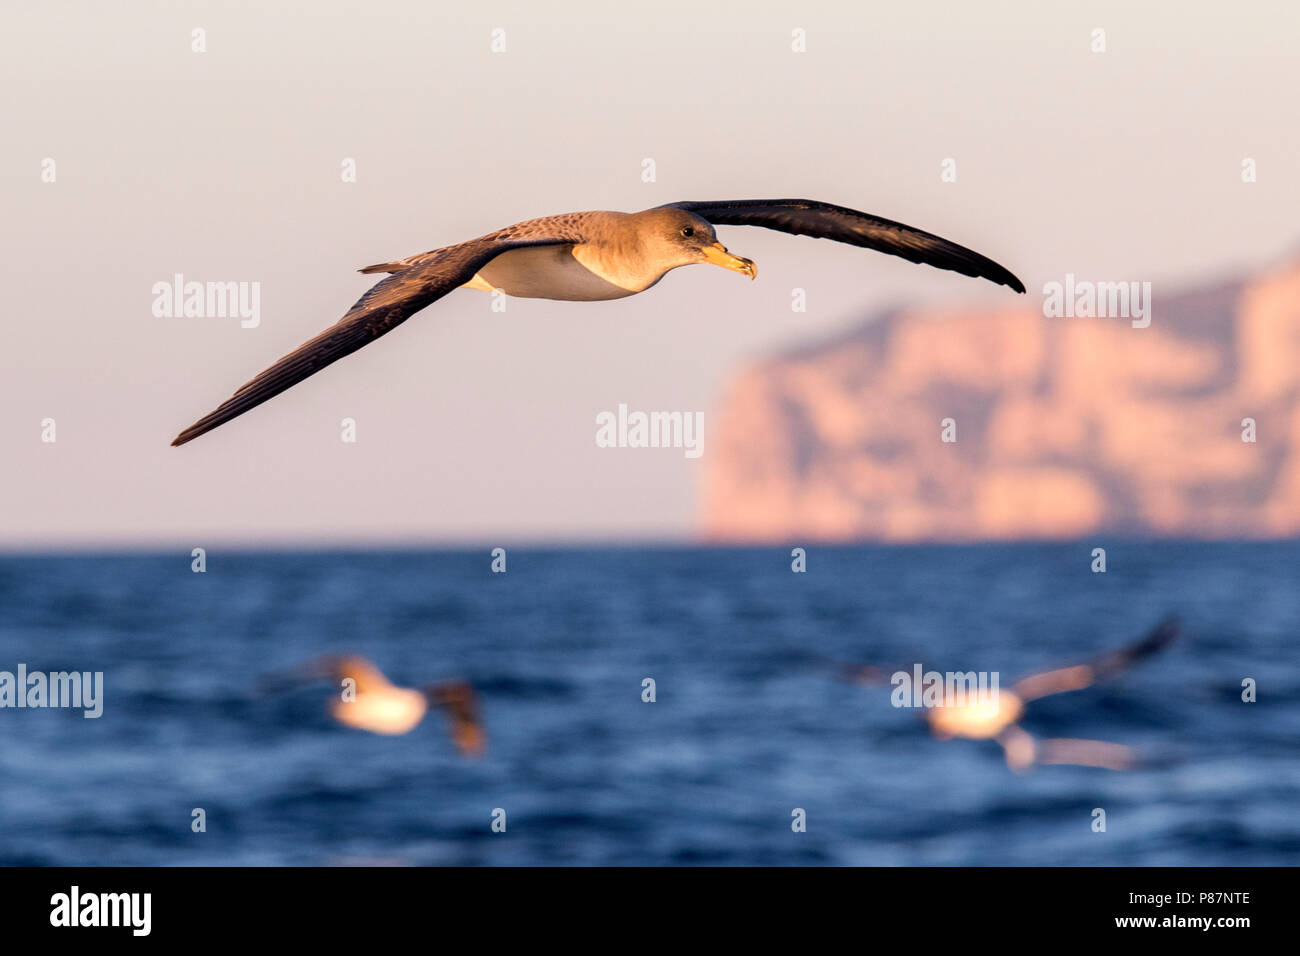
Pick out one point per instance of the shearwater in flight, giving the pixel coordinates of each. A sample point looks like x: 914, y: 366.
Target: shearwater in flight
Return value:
x: 587, y: 256
x: 372, y: 702
x: 997, y: 716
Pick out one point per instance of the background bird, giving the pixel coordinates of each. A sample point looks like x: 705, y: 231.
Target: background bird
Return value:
x: 372, y: 702
x: 997, y: 716
x: 587, y: 256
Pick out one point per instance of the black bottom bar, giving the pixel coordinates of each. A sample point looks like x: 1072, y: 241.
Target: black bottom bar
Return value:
x: 876, y: 904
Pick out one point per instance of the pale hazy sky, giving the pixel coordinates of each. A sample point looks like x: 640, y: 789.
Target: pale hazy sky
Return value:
x: 479, y: 426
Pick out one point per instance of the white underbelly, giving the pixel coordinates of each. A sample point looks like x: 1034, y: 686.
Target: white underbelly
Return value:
x: 393, y: 711
x: 979, y: 719
x: 551, y: 272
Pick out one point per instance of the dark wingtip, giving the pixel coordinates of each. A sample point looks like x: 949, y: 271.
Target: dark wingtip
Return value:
x: 1000, y: 274
x: 1160, y: 637
x: 188, y: 435
x: 1168, y: 629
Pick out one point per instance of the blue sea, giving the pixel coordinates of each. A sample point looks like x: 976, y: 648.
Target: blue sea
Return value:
x: 749, y: 723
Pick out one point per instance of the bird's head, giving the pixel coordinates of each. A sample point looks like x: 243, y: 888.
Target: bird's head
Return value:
x: 683, y: 238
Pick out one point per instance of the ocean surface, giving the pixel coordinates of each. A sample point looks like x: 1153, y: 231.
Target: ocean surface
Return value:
x: 749, y: 724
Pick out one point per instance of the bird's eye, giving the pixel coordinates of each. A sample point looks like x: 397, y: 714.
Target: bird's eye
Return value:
x: 688, y: 231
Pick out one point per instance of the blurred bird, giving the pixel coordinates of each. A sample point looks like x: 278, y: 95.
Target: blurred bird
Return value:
x: 997, y: 716
x: 587, y: 256
x: 372, y: 702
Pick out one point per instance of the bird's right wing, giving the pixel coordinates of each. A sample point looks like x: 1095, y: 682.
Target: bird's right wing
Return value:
x: 1099, y: 668
x: 416, y: 283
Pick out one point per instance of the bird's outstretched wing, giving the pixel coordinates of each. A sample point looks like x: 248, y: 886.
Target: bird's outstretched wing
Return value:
x: 807, y: 217
x: 867, y: 675
x: 1023, y: 751
x: 459, y: 702
x: 1099, y: 668
x: 1086, y: 753
x: 328, y: 667
x: 416, y: 282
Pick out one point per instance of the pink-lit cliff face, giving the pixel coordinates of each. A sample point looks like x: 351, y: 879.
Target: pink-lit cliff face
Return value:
x: 1063, y: 426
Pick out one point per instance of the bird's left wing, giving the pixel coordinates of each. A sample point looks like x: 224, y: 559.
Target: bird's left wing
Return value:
x: 807, y: 217
x: 459, y: 701
x: 1086, y: 753
x: 1023, y: 751
x: 416, y: 283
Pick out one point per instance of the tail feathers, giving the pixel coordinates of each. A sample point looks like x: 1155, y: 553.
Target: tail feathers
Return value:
x: 384, y: 267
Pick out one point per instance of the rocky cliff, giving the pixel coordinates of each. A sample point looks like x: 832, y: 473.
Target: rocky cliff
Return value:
x: 1063, y: 426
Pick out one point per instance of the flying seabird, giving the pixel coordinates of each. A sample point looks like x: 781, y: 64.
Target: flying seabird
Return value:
x: 997, y: 717
x: 587, y: 256
x: 381, y: 707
